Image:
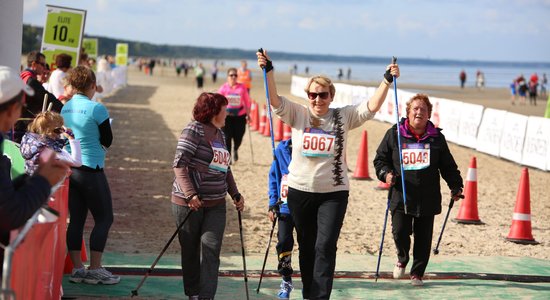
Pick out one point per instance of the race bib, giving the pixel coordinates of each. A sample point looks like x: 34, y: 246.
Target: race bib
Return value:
x: 284, y: 189
x: 234, y: 101
x: 220, y: 162
x: 416, y: 156
x: 317, y: 143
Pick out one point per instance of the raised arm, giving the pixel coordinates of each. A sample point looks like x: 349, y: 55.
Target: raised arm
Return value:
x: 380, y: 95
x: 265, y: 62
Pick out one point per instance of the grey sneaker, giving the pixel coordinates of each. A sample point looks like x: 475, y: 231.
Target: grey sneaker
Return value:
x: 102, y: 276
x: 77, y: 275
x: 416, y: 280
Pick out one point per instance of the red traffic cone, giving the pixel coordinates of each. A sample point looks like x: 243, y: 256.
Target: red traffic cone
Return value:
x: 267, y: 128
x: 382, y: 186
x: 253, y: 116
x: 287, y: 132
x: 468, y: 214
x: 520, y: 232
x: 362, y: 167
x: 261, y: 124
x: 68, y: 268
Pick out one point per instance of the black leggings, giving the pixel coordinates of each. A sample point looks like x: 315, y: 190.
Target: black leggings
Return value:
x: 89, y: 190
x: 234, y: 129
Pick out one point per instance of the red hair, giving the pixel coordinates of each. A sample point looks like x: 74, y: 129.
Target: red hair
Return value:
x: 207, y: 106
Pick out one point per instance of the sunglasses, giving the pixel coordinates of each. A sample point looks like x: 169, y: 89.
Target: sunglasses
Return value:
x: 313, y: 96
x: 232, y: 75
x: 59, y: 130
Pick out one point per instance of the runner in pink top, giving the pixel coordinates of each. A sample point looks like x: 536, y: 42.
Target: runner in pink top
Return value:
x: 237, y: 111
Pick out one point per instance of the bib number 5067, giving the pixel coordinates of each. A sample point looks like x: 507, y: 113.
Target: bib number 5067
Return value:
x: 321, y: 143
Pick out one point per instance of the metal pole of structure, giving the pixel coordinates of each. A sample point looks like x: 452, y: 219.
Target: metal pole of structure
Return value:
x: 393, y: 61
x: 11, y: 31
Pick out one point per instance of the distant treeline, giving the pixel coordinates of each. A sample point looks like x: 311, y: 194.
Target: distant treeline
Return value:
x: 32, y: 38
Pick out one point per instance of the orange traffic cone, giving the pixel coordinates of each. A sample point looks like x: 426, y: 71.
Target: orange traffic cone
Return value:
x: 287, y: 132
x: 267, y: 128
x: 362, y: 167
x: 253, y: 116
x: 520, y: 232
x: 278, y: 132
x: 382, y: 186
x: 468, y: 214
x: 68, y: 268
x: 261, y: 124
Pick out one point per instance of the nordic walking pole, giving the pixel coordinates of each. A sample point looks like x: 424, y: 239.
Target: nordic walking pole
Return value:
x: 135, y: 291
x: 436, y: 250
x: 383, y: 235
x: 238, y: 198
x: 274, y: 159
x: 393, y: 61
x: 267, y: 251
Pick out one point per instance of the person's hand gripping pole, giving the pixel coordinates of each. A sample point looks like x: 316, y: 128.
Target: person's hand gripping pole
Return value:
x: 266, y: 68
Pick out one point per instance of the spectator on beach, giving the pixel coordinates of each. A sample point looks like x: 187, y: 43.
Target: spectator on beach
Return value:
x: 533, y: 84
x: 318, y: 182
x: 238, y: 109
x: 543, y: 84
x: 522, y: 89
x: 21, y: 197
x: 306, y: 70
x: 46, y: 131
x: 214, y: 72
x: 480, y: 80
x: 199, y: 76
x: 419, y: 138
x: 63, y: 62
x: 89, y: 189
x: 462, y: 78
x: 244, y: 75
x: 513, y: 91
x: 278, y: 208
x: 33, y: 76
x: 348, y: 75
x: 340, y: 74
x: 203, y: 179
x: 152, y: 63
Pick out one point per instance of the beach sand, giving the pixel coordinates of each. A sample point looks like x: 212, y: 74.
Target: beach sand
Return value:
x: 151, y: 111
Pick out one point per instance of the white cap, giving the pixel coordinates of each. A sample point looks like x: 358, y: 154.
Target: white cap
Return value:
x: 11, y: 85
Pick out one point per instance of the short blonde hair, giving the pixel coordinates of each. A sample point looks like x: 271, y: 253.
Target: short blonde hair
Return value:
x: 45, y: 123
x: 322, y: 81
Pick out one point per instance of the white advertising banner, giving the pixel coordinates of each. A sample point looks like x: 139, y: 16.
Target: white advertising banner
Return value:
x: 449, y: 118
x: 490, y: 131
x: 470, y: 117
x: 297, y: 86
x: 536, y: 146
x: 513, y: 135
x: 343, y: 95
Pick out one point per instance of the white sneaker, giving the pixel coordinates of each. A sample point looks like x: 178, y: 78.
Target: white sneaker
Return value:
x: 399, y: 271
x: 102, y: 276
x: 78, y: 275
x: 416, y: 281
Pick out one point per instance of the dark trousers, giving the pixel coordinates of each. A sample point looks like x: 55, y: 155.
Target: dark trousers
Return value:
x: 318, y: 218
x: 422, y: 228
x: 201, y: 242
x: 234, y: 129
x: 89, y: 190
x: 285, y: 245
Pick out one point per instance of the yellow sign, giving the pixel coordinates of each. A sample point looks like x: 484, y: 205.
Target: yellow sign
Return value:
x: 63, y: 32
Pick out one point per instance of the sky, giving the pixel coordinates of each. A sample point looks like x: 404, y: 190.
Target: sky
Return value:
x: 486, y: 30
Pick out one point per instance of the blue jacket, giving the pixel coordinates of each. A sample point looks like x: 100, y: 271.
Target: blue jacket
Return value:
x: 279, y: 167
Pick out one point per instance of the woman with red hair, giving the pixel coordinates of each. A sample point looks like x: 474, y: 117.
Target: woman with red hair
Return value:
x: 203, y: 179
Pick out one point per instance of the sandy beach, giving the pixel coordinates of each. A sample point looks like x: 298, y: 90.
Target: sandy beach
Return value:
x: 151, y: 111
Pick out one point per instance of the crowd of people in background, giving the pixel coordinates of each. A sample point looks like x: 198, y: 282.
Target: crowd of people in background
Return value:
x: 521, y: 88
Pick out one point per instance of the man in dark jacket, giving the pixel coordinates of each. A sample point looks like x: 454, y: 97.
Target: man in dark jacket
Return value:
x: 425, y: 155
x: 20, y: 198
x: 36, y: 67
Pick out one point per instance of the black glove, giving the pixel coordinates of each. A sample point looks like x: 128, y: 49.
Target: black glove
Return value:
x: 388, y: 76
x: 274, y: 209
x: 269, y: 64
